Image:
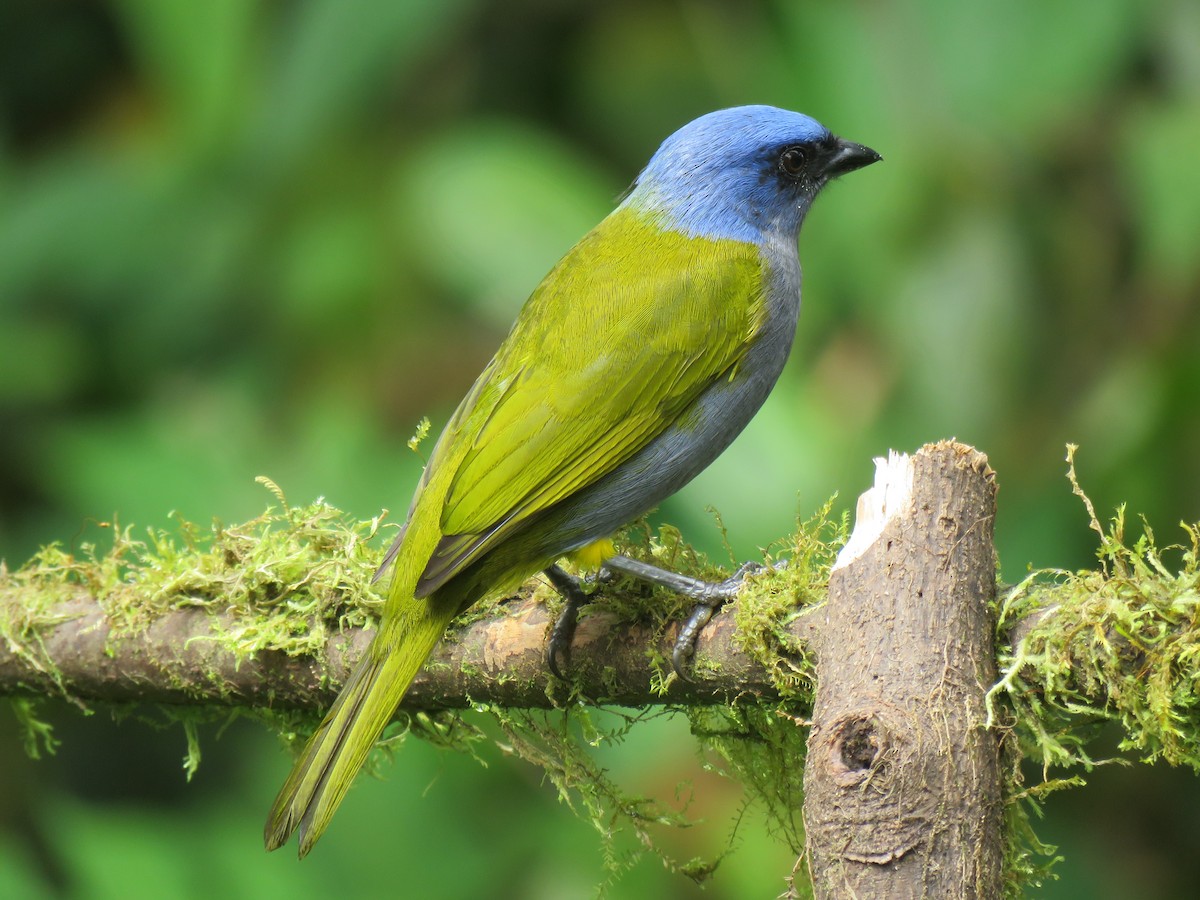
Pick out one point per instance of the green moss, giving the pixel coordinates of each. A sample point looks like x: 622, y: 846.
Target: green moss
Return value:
x: 37, y: 735
x: 289, y: 578
x: 561, y: 743
x: 295, y: 576
x: 1119, y: 643
x: 773, y: 599
x: 762, y: 745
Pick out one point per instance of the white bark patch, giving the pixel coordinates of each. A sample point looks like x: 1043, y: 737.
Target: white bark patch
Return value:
x: 890, y: 497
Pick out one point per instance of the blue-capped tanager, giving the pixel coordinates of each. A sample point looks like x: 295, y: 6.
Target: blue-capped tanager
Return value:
x: 635, y: 362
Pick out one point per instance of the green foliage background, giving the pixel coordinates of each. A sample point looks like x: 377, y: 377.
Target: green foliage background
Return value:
x: 240, y: 238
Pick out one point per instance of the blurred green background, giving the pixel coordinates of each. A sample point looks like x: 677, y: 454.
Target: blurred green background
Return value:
x: 247, y: 238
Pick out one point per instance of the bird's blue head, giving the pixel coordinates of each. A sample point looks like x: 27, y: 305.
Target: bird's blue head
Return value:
x: 749, y: 173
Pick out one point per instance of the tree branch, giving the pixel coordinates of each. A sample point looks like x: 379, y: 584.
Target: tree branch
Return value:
x: 901, y: 780
x: 903, y: 796
x: 185, y: 657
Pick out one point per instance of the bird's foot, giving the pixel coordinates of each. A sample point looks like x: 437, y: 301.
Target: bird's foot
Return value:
x: 714, y: 596
x: 709, y: 596
x: 571, y: 589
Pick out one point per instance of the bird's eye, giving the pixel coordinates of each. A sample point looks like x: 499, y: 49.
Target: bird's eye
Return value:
x: 792, y: 160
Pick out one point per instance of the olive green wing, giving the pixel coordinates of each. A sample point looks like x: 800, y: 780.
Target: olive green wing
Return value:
x: 616, y: 344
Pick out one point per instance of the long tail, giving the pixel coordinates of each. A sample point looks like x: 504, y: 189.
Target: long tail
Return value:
x: 339, y: 746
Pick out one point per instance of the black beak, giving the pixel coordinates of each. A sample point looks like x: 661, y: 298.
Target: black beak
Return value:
x: 847, y: 157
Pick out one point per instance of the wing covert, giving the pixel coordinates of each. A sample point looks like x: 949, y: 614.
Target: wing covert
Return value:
x: 607, y: 353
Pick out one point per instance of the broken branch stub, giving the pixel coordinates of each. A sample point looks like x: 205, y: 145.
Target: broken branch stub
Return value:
x: 902, y: 782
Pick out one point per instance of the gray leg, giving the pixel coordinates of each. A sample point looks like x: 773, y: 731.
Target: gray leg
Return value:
x: 709, y: 596
x: 571, y: 589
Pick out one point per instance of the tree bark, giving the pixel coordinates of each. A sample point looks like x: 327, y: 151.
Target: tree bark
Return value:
x: 902, y: 783
x: 180, y: 658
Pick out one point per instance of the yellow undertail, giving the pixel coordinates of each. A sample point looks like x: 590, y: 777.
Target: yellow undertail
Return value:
x: 590, y: 556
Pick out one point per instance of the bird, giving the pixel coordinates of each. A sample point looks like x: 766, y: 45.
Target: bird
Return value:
x: 634, y: 363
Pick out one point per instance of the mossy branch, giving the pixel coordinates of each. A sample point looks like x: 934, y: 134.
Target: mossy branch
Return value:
x: 274, y: 612
x: 190, y: 656
x: 270, y: 614
x: 1120, y: 643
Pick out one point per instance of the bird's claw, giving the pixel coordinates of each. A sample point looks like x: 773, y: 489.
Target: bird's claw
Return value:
x: 709, y: 598
x: 563, y: 631
x: 560, y: 639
